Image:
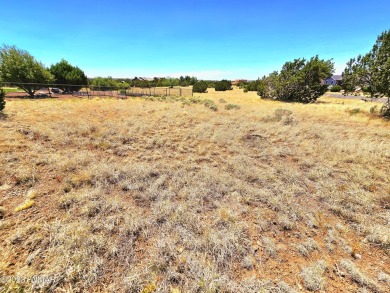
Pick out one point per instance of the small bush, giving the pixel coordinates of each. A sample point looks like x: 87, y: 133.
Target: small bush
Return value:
x: 353, y: 111
x: 2, y: 101
x: 279, y: 115
x: 210, y: 104
x: 313, y: 276
x: 200, y: 87
x: 232, y: 106
x: 357, y: 276
x: 335, y: 89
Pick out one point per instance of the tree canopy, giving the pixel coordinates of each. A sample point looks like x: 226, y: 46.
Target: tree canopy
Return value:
x: 68, y: 77
x: 298, y: 81
x: 107, y: 84
x: 200, y: 87
x: 370, y: 73
x: 19, y: 68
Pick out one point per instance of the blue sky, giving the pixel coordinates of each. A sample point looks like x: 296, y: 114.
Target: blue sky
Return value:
x: 207, y: 39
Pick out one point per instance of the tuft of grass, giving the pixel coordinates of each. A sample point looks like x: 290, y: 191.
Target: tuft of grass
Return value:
x: 313, y: 276
x: 383, y: 277
x: 25, y: 205
x: 353, y: 111
x: 232, y: 106
x: 269, y: 247
x: 31, y: 194
x: 306, y: 248
x: 210, y: 104
x: 83, y: 178
x: 357, y: 276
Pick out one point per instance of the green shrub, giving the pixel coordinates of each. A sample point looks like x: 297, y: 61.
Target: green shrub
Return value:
x: 223, y: 85
x: 336, y: 88
x: 353, y: 111
x: 195, y: 100
x: 280, y: 115
x: 2, y: 100
x: 232, y: 106
x: 210, y: 104
x: 200, y: 87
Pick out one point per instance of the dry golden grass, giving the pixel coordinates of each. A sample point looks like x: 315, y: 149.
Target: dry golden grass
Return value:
x: 169, y: 195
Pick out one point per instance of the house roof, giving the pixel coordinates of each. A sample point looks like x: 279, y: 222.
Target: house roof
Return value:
x: 337, y: 77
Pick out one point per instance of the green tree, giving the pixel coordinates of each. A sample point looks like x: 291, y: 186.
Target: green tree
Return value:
x: 381, y: 64
x: 200, y: 87
x: 19, y: 68
x: 371, y: 72
x: 359, y: 74
x: 105, y: 84
x: 68, y: 77
x: 298, y: 81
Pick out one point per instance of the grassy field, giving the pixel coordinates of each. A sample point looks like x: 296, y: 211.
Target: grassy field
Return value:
x: 223, y: 192
x: 12, y: 90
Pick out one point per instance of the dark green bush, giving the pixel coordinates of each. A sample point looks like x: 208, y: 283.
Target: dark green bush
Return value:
x: 336, y: 88
x: 223, y: 85
x: 2, y: 100
x: 200, y: 87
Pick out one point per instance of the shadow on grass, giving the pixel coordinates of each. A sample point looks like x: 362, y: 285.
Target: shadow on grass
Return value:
x: 3, y: 116
x: 27, y: 97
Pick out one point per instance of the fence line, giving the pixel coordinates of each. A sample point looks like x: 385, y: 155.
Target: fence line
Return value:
x: 136, y: 92
x: 88, y: 91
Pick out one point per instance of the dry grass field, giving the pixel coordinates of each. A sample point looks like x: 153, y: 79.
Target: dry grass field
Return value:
x: 152, y: 195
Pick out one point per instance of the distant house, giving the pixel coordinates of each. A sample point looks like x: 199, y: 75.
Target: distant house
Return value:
x: 146, y: 78
x: 334, y: 80
x: 237, y: 81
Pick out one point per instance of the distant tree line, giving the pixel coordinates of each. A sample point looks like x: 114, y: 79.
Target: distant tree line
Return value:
x: 299, y: 80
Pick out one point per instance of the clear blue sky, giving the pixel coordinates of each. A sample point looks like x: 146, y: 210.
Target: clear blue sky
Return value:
x: 208, y: 39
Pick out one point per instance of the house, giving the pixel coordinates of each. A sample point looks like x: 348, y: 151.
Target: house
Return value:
x: 237, y: 81
x: 146, y: 78
x: 334, y: 80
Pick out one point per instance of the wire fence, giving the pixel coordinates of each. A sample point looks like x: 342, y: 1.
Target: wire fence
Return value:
x: 102, y: 91
x: 135, y: 92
